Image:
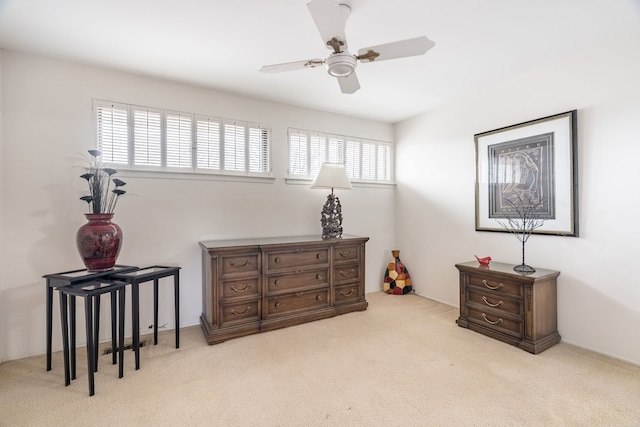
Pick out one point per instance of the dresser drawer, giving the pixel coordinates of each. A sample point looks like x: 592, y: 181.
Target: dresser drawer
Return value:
x: 346, y: 273
x: 299, y: 258
x: 240, y: 312
x: 497, y: 284
x: 494, y: 301
x: 496, y: 321
x: 298, y: 279
x: 305, y: 301
x: 346, y: 253
x: 243, y: 288
x: 346, y: 293
x: 248, y: 263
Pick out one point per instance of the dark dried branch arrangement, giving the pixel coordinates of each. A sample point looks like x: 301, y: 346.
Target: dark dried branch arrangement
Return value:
x: 523, y: 220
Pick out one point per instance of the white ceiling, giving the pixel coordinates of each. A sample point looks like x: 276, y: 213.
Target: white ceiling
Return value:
x: 223, y: 44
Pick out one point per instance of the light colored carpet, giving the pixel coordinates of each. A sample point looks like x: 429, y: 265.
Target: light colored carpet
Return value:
x: 402, y: 362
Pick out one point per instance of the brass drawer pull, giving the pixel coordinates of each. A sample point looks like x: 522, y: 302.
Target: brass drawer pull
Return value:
x: 348, y: 273
x: 246, y: 288
x: 233, y: 311
x: 246, y: 263
x: 345, y: 254
x: 347, y: 294
x: 499, y: 303
x: 493, y: 288
x: 484, y: 316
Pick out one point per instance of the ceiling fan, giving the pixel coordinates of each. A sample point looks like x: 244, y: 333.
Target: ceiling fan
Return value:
x: 330, y: 19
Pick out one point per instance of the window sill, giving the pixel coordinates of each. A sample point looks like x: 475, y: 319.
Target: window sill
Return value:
x: 195, y: 176
x: 358, y: 184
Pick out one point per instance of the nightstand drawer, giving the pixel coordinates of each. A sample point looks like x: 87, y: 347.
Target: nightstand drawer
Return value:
x: 489, y: 300
x: 305, y: 301
x: 497, y: 284
x: 296, y: 259
x: 497, y: 322
x: 244, y: 288
x: 299, y: 279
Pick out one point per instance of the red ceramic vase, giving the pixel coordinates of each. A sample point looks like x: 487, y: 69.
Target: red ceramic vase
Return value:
x: 98, y: 242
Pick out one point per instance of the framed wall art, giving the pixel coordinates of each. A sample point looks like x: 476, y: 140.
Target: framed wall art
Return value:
x: 534, y: 160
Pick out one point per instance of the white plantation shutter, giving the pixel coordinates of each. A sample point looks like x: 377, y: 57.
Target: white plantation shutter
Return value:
x: 298, y: 153
x: 384, y: 162
x: 179, y: 140
x: 147, y: 137
x: 234, y: 147
x: 208, y: 143
x: 364, y: 160
x: 335, y: 151
x: 318, y: 152
x: 153, y: 139
x: 352, y: 163
x: 259, y: 155
x: 112, y: 132
x: 368, y: 161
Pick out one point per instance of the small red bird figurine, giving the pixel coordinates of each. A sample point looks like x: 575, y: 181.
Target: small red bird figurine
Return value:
x: 483, y: 261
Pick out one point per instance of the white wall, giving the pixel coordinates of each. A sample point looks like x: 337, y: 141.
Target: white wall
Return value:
x: 599, y: 288
x: 47, y: 129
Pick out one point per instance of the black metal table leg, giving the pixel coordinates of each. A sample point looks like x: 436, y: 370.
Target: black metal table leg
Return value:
x: 88, y: 306
x: 113, y: 328
x: 176, y: 300
x: 155, y: 311
x: 96, y: 332
x: 72, y: 314
x: 135, y: 319
x: 49, y: 307
x: 65, y: 337
x: 121, y: 294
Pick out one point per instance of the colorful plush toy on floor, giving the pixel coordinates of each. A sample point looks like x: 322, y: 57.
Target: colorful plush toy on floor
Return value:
x: 397, y: 280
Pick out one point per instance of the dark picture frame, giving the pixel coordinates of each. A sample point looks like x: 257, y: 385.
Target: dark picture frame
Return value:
x: 538, y: 157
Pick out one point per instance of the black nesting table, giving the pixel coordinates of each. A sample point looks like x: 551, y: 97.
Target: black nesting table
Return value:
x: 148, y: 274
x: 68, y: 278
x: 128, y: 274
x: 91, y: 292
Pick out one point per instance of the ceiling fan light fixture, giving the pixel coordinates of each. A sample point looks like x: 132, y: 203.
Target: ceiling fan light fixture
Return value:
x: 341, y: 64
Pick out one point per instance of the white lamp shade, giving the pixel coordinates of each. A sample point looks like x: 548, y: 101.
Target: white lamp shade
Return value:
x: 332, y: 175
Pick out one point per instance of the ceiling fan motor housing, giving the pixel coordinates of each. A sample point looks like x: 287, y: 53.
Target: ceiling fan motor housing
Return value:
x: 341, y: 64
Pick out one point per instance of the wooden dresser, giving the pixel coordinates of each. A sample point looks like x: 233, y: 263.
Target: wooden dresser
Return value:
x: 518, y: 309
x: 255, y: 285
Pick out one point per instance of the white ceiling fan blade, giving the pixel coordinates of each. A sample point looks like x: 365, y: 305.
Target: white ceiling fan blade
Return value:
x: 291, y: 66
x: 349, y: 84
x: 330, y: 19
x: 399, y: 49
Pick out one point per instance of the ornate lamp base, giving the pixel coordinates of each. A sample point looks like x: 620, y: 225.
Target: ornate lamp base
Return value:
x: 331, y: 218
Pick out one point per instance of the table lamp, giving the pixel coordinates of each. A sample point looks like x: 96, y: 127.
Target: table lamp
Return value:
x: 332, y: 175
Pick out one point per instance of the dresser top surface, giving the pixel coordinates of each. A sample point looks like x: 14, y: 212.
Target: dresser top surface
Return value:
x: 266, y: 241
x: 505, y: 270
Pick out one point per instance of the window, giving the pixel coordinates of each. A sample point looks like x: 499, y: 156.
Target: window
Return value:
x: 365, y: 160
x: 145, y: 138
